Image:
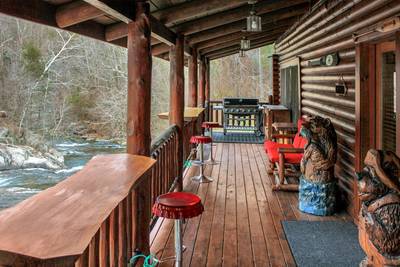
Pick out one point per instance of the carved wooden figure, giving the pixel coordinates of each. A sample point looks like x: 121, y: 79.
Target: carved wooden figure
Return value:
x: 379, y: 219
x: 317, y: 189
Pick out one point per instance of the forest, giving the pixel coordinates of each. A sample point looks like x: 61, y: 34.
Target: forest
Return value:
x: 56, y: 83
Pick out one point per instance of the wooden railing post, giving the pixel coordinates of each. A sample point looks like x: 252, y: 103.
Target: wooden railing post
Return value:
x: 202, y: 83
x: 139, y: 111
x: 207, y: 91
x: 177, y: 98
x: 193, y: 79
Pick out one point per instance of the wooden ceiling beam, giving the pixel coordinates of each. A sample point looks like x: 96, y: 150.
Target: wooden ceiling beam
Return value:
x: 119, y: 30
x: 193, y: 9
x: 236, y: 14
x: 78, y: 12
x: 253, y: 40
x: 268, y: 18
x: 235, y: 50
x: 236, y: 47
x: 41, y: 12
x: 238, y: 35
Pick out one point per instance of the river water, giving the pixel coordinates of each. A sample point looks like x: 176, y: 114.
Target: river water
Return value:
x: 17, y: 185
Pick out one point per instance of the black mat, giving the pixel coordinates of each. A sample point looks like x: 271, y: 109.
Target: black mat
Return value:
x: 325, y: 244
x: 232, y: 137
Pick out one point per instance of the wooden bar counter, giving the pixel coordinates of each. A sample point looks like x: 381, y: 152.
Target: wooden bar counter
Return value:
x: 190, y: 114
x: 79, y: 218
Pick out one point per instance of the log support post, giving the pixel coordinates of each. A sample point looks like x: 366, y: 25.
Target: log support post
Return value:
x: 365, y: 115
x: 202, y: 82
x: 193, y: 80
x: 275, y: 80
x: 177, y: 98
x: 207, y: 91
x: 138, y: 124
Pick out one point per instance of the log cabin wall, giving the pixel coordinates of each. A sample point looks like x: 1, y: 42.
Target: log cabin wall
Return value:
x: 328, y: 29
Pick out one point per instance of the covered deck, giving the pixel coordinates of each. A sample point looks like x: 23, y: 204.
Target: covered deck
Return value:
x: 241, y: 224
x: 324, y: 65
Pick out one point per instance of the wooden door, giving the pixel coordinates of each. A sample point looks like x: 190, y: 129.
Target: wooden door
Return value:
x: 386, y: 97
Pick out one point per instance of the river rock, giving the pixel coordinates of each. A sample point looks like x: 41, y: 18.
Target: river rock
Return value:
x: 4, y: 132
x: 3, y: 114
x: 22, y: 157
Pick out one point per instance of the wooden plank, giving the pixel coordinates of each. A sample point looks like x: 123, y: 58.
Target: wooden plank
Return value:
x: 230, y: 249
x: 243, y: 233
x: 215, y: 247
x: 277, y: 216
x: 200, y: 251
x: 259, y: 245
x: 195, y: 8
x: 233, y: 15
x: 70, y: 225
x: 234, y: 27
x: 192, y: 229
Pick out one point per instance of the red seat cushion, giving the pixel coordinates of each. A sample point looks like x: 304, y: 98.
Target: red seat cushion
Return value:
x: 178, y: 205
x: 210, y: 124
x: 293, y: 158
x: 299, y: 141
x: 274, y: 145
x: 200, y: 139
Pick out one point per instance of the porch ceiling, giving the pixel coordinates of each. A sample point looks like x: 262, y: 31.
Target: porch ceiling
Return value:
x: 213, y: 27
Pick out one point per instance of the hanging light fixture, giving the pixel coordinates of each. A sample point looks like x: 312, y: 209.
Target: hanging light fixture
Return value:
x: 254, y: 23
x: 242, y: 53
x: 245, y: 44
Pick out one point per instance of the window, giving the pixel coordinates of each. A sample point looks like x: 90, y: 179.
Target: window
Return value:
x: 290, y: 87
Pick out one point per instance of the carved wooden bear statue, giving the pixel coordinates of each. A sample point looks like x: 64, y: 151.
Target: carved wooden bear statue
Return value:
x: 317, y: 189
x: 379, y: 226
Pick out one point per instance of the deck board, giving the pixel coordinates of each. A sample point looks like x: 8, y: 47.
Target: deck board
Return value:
x: 241, y: 224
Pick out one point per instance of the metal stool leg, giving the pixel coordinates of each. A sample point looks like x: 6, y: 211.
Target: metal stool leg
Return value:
x: 202, y: 178
x: 211, y: 161
x: 178, y: 243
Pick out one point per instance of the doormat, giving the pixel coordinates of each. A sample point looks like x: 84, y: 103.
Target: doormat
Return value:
x: 232, y: 137
x: 323, y: 243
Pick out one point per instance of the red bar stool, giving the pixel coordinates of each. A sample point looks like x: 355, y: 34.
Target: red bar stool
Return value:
x: 178, y: 206
x: 201, y: 140
x: 210, y: 125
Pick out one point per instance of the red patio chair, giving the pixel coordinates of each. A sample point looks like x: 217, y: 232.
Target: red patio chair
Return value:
x: 285, y: 158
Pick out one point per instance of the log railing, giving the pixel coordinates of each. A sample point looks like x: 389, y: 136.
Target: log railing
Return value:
x: 165, y: 174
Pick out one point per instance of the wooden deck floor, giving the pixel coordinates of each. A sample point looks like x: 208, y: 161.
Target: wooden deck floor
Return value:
x: 241, y: 224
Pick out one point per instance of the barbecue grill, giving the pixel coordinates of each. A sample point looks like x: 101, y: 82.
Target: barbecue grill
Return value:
x: 244, y: 114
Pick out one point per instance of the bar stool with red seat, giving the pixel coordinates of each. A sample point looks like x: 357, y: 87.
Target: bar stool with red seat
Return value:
x: 178, y: 206
x: 209, y: 125
x: 201, y: 140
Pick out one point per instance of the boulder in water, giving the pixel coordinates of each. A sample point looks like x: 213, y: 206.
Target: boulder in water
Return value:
x: 22, y: 157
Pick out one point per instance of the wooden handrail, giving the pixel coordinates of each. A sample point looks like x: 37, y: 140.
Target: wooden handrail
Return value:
x: 85, y: 219
x: 164, y: 175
